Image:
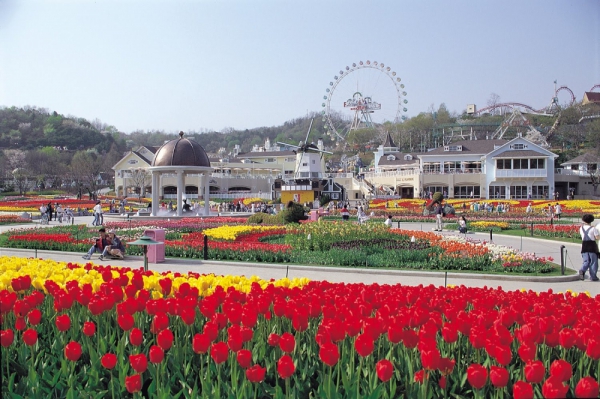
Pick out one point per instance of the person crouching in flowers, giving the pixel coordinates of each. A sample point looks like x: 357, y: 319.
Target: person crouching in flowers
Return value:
x: 589, y: 248
x: 99, y: 246
x: 115, y: 248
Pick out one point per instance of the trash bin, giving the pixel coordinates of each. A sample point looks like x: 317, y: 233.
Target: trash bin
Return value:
x: 156, y: 253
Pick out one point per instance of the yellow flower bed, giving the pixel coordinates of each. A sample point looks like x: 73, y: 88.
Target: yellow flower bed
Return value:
x: 230, y: 233
x: 484, y: 225
x: 249, y: 201
x: 41, y: 270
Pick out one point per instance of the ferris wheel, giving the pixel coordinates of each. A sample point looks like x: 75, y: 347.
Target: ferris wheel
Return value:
x: 362, y: 96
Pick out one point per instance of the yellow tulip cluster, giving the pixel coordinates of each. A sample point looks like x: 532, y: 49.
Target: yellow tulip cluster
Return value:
x: 41, y: 270
x: 230, y: 233
x: 484, y: 225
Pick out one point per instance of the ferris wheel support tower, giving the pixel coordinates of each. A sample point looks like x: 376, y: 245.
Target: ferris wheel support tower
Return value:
x: 363, y: 108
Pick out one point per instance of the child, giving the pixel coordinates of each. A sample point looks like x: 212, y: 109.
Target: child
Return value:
x: 462, y: 225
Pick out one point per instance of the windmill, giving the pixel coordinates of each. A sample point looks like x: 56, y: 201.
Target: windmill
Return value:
x: 309, y: 165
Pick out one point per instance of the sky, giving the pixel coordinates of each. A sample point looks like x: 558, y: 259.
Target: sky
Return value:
x: 242, y: 64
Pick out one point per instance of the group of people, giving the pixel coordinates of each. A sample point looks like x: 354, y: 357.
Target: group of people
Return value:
x: 107, y: 244
x: 56, y: 212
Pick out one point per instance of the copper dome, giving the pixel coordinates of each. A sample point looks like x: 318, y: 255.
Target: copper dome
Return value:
x: 181, y: 152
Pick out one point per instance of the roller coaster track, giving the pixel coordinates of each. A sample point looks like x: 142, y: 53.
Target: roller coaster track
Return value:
x: 550, y: 109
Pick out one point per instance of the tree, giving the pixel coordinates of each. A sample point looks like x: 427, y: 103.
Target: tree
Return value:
x: 139, y: 178
x: 492, y: 101
x: 594, y: 172
x: 85, y: 170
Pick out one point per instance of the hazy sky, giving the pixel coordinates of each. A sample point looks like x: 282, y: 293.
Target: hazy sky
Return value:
x: 192, y: 65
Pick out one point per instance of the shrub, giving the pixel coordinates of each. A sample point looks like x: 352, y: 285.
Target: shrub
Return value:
x: 293, y: 213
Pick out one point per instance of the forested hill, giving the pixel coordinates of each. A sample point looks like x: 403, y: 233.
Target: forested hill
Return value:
x: 30, y: 128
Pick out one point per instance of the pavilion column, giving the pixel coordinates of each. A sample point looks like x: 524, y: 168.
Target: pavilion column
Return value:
x: 180, y: 191
x: 124, y: 186
x: 206, y: 193
x: 155, y: 191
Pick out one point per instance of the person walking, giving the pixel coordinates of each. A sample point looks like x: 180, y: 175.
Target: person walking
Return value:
x: 345, y: 214
x: 97, y: 210
x: 589, y: 248
x: 388, y: 221
x: 557, y: 211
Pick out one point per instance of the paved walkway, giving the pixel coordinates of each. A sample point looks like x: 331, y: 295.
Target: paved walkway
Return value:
x: 353, y: 275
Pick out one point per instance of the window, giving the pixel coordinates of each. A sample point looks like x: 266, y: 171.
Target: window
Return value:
x: 270, y: 160
x: 436, y: 189
x: 408, y: 157
x: 453, y: 148
x: 518, y: 146
x: 520, y: 163
x: 503, y: 164
x: 290, y: 159
x: 391, y: 158
x: 313, y: 161
x: 518, y: 192
x: 304, y: 163
x: 132, y: 161
x: 539, y: 192
x: 497, y: 191
x: 537, y: 163
x: 465, y: 191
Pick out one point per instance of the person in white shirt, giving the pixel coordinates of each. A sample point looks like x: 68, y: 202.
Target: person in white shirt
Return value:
x: 388, y: 221
x: 98, y: 218
x: 589, y: 248
x: 557, y: 211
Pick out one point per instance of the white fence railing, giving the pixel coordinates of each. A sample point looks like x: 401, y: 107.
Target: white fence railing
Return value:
x: 521, y: 173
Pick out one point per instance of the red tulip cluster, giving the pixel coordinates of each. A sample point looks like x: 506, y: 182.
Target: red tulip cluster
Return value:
x: 409, y: 341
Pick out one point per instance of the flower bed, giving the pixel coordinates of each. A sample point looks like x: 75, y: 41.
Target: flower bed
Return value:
x: 71, y: 331
x: 13, y: 219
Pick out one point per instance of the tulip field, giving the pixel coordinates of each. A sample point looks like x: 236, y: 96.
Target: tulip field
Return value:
x: 85, y: 330
x: 311, y: 243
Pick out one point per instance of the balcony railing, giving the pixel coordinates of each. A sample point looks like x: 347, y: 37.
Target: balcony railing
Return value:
x: 571, y: 172
x: 452, y: 171
x: 521, y: 173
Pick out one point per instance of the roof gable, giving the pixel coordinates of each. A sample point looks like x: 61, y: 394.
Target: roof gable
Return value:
x: 519, y: 144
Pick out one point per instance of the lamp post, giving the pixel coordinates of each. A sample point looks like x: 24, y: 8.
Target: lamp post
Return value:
x: 144, y: 242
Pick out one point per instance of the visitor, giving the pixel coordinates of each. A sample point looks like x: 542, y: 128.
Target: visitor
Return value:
x: 557, y: 211
x: 116, y: 248
x: 43, y: 210
x: 98, y: 219
x: 589, y: 248
x: 439, y: 213
x: 59, y: 213
x: 361, y: 215
x: 345, y: 214
x: 388, y: 221
x: 529, y: 208
x: 99, y: 246
x: 462, y: 225
x: 49, y: 211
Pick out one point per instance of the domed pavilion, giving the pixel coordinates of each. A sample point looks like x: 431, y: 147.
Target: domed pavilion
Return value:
x: 182, y: 157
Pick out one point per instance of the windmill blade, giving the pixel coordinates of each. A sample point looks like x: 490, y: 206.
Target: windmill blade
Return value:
x: 308, y: 133
x: 287, y: 145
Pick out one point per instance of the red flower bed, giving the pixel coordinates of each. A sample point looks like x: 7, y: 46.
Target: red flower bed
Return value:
x: 381, y: 340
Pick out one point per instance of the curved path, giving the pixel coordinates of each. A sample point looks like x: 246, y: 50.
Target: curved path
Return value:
x: 354, y: 275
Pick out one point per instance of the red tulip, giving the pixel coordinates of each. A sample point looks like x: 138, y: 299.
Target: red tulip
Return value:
x: 165, y: 284
x: 136, y: 337
x: 200, y: 343
x: 256, y: 373
x: 7, y: 337
x: 133, y: 383
x: 285, y: 367
x: 160, y: 322
x: 522, y: 390
x: 384, y: 369
x: 450, y: 333
x: 430, y: 359
x: 20, y: 324
x: 125, y: 321
x: 446, y: 365
x: 34, y: 317
x: 364, y: 345
x: 188, y: 315
x: 73, y: 351
x: 287, y: 342
x: 30, y: 337
x: 219, y: 352
x: 593, y: 348
x: 109, y: 361
x: 235, y: 341
x: 527, y: 352
x: 477, y: 375
x: 63, y: 322
x: 587, y: 387
x: 442, y: 382
x: 499, y: 376
x: 156, y: 354
x: 420, y: 376
x: 554, y: 388
x: 165, y: 339
x: 561, y: 369
x: 329, y: 354
x: 244, y: 358
x: 535, y: 371
x: 89, y: 328
x: 273, y: 339
x: 567, y: 338
x: 138, y: 362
